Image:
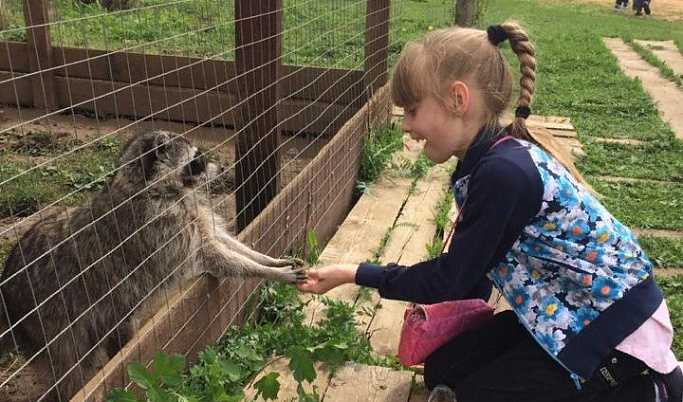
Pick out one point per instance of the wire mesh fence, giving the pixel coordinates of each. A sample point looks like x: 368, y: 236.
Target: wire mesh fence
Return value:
x: 134, y: 135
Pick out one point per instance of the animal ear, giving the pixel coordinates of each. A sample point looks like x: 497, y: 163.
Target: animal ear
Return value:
x: 160, y: 142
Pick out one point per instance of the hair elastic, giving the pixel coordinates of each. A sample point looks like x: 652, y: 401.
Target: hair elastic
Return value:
x: 496, y: 34
x: 523, y: 111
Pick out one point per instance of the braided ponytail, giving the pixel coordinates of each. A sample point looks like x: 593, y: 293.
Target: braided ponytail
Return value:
x: 524, y: 49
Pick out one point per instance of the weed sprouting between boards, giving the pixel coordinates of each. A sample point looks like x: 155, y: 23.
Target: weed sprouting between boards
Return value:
x: 313, y: 248
x: 443, y: 223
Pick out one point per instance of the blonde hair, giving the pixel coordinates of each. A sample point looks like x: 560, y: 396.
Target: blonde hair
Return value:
x: 429, y: 66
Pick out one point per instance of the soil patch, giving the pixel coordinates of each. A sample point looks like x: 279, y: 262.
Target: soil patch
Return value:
x: 669, y: 10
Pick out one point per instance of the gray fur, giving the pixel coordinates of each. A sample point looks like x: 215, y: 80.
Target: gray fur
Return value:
x: 149, y: 225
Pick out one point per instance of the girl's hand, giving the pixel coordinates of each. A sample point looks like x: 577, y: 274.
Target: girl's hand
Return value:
x: 321, y: 280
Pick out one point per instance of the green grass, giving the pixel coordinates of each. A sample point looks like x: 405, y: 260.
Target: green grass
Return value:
x: 643, y: 205
x: 673, y: 292
x: 323, y: 33
x: 28, y: 189
x: 664, y: 252
x: 5, y: 248
x: 635, y: 161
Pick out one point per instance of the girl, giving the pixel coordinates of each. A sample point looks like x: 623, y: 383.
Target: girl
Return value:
x: 588, y: 321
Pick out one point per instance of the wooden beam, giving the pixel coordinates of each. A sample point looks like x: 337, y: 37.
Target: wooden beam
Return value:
x: 466, y: 13
x: 172, y: 104
x: 40, y: 53
x: 17, y: 91
x: 14, y: 57
x: 328, y: 85
x: 376, y: 44
x: 258, y: 34
x: 377, y: 384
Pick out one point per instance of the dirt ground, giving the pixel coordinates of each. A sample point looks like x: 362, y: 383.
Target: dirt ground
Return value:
x: 670, y: 10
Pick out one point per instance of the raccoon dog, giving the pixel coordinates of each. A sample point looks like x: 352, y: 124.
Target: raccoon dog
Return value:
x: 71, y: 279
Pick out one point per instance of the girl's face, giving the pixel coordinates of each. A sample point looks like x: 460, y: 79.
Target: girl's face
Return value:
x: 445, y: 133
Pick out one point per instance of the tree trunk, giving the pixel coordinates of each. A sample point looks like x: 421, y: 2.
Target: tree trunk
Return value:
x: 465, y: 13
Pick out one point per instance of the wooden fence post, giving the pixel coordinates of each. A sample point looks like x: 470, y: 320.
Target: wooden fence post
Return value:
x: 40, y: 53
x: 465, y: 13
x: 257, y: 60
x: 377, y: 17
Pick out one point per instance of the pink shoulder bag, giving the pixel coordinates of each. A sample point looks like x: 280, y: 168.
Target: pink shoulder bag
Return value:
x: 426, y: 327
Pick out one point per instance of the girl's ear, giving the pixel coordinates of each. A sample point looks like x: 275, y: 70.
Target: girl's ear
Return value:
x: 459, y: 95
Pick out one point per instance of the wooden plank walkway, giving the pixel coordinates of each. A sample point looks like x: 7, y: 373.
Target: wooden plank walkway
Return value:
x: 414, y: 228
x: 356, y: 240
x: 666, y: 51
x: 666, y: 95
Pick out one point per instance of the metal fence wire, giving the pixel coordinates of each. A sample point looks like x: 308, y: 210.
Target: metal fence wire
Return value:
x: 134, y: 134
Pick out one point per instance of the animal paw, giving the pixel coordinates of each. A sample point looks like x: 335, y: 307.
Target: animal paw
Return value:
x: 286, y: 262
x: 293, y: 273
x: 297, y: 261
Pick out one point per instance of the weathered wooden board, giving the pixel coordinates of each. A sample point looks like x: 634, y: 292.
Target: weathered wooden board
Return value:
x: 666, y: 95
x: 561, y: 133
x: 357, y: 238
x: 413, y: 230
x: 356, y: 382
x: 418, y: 391
x: 287, y: 385
x: 623, y: 141
x: 666, y: 51
x: 298, y: 82
x: 498, y: 302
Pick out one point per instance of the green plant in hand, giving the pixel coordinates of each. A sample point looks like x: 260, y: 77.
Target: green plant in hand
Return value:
x: 314, y: 248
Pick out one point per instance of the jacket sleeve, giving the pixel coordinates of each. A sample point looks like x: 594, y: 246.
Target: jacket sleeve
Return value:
x: 502, y: 198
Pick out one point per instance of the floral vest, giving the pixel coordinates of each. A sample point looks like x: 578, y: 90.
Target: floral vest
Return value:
x: 572, y: 261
